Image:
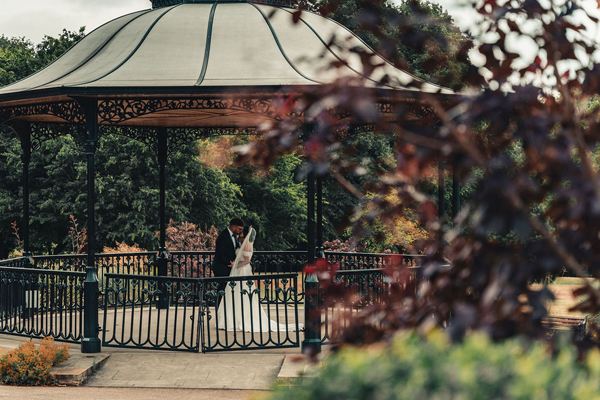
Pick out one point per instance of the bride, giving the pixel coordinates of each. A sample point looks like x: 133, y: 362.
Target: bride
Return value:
x: 240, y: 308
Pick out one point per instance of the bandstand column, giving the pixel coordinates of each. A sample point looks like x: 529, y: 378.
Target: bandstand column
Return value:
x: 310, y: 234
x: 441, y: 190
x: 320, y: 250
x: 23, y: 130
x: 455, y: 191
x: 90, y: 342
x: 26, y: 157
x: 312, y: 312
x: 162, y: 258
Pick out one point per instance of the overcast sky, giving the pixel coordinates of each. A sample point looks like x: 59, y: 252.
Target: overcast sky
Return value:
x: 35, y: 18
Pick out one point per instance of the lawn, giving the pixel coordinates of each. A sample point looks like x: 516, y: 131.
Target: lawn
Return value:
x: 562, y: 288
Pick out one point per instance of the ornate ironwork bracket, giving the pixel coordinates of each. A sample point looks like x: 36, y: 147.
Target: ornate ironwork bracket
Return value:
x: 177, y: 137
x: 68, y: 111
x: 113, y: 112
x: 180, y: 136
x: 41, y: 133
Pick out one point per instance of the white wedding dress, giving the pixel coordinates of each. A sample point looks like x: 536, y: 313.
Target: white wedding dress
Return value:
x: 240, y: 308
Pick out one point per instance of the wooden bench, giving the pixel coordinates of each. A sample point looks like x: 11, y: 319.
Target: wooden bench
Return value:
x: 565, y: 323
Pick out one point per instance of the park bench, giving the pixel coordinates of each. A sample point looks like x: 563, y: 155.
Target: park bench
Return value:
x: 565, y: 323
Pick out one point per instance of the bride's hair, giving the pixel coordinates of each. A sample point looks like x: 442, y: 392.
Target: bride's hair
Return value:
x: 247, y: 230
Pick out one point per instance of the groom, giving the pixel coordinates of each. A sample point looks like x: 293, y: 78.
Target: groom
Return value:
x: 225, y: 250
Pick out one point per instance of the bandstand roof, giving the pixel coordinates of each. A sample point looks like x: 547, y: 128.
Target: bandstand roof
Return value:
x: 219, y: 59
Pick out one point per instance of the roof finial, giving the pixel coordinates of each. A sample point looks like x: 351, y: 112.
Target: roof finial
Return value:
x: 165, y: 3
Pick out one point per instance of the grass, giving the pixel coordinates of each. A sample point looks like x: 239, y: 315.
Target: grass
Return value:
x: 563, y: 288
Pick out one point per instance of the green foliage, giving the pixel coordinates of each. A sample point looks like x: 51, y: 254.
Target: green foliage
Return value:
x: 416, y: 35
x: 127, y: 192
x: 415, y: 368
x: 368, y: 156
x: 51, y: 48
x: 19, y: 58
x: 11, y: 203
x: 276, y: 205
x: 28, y: 366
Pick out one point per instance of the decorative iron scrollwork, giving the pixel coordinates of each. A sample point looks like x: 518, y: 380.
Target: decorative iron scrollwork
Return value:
x: 145, y: 135
x: 68, y: 111
x: 425, y: 113
x: 177, y: 137
x: 421, y: 112
x: 180, y: 136
x: 119, y: 111
x: 41, y: 133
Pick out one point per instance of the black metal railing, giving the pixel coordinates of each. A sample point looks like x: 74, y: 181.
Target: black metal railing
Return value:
x: 40, y: 303
x: 63, y: 262
x: 20, y: 262
x: 200, y: 313
x: 354, y: 261
x: 236, y: 317
x: 132, y: 316
x: 43, y: 296
x: 361, y: 288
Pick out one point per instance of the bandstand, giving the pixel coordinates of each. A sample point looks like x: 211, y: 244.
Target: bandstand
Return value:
x: 180, y: 71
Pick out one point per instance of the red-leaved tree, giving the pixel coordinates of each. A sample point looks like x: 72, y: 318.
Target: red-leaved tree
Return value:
x: 526, y: 139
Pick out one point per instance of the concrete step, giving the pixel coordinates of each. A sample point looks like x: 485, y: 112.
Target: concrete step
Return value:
x: 75, y: 370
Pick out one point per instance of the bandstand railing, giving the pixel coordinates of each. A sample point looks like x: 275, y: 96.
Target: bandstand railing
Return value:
x: 40, y: 302
x: 43, y: 295
x: 363, y: 288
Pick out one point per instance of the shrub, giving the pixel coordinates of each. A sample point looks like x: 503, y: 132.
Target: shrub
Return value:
x: 412, y: 367
x: 349, y: 246
x: 28, y: 366
x: 190, y: 237
x: 122, y: 247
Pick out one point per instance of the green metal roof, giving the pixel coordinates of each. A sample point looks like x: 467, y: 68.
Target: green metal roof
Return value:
x: 210, y: 44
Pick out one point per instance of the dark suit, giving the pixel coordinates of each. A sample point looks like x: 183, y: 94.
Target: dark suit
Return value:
x: 224, y: 255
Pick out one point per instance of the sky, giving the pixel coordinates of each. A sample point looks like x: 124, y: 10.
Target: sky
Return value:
x: 33, y: 19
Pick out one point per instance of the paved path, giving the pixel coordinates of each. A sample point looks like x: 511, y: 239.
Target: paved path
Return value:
x: 160, y: 374
x: 95, y: 393
x: 183, y: 370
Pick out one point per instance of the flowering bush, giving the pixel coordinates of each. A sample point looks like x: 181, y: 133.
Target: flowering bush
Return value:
x: 122, y: 247
x: 28, y: 366
x: 190, y: 237
x: 349, y: 246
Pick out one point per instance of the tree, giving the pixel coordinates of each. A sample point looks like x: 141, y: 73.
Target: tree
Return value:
x: 51, y: 48
x: 276, y: 204
x: 273, y: 203
x: 417, y: 36
x: 17, y: 59
x: 537, y: 107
